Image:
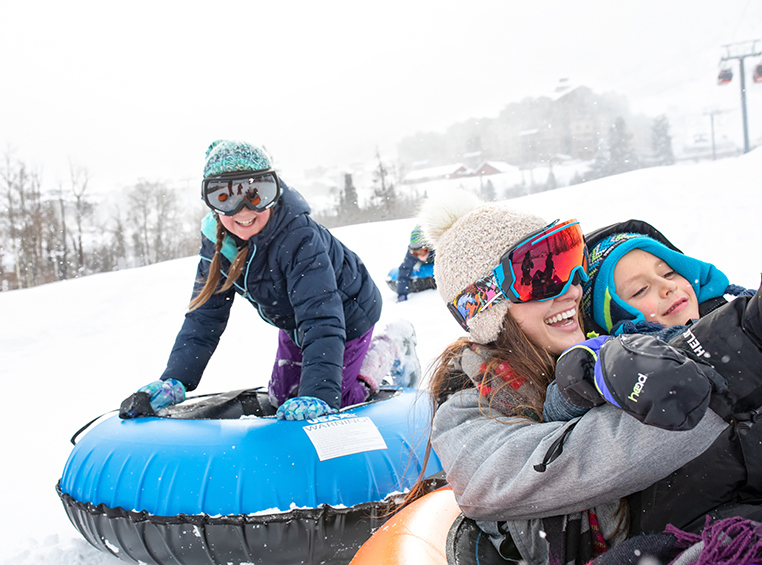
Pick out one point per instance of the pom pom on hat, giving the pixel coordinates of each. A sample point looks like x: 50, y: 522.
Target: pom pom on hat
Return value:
x: 470, y: 237
x: 224, y: 156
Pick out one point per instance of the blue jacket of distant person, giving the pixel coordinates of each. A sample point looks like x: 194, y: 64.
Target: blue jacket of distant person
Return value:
x: 406, y: 270
x: 301, y: 279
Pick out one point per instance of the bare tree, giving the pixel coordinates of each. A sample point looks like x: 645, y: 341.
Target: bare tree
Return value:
x: 153, y: 217
x: 139, y: 215
x: 63, y: 257
x: 33, y: 227
x: 79, y: 182
x: 24, y: 218
x: 10, y: 182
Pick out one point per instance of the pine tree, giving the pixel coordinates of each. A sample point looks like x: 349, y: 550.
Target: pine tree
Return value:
x: 551, y: 183
x: 487, y: 190
x: 601, y: 167
x: 384, y: 195
x: 623, y: 156
x: 662, y: 141
x: 348, y: 198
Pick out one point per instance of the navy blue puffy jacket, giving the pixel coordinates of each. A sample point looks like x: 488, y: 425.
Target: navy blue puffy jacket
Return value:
x: 302, y: 280
x: 406, y: 270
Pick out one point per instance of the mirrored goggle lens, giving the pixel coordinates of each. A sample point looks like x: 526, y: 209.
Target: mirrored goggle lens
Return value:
x: 230, y: 195
x: 541, y: 267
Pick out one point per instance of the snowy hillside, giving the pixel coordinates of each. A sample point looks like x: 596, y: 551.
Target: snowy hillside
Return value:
x: 73, y: 350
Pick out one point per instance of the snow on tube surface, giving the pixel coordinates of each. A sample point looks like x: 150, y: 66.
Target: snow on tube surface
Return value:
x: 422, y: 278
x: 222, y: 481
x: 430, y: 531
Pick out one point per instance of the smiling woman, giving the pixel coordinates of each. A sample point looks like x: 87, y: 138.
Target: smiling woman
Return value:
x: 532, y: 485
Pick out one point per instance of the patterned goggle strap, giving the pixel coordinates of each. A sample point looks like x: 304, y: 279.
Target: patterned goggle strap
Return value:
x: 477, y: 297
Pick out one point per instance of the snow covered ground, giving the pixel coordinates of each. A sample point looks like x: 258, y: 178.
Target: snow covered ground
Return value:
x: 72, y: 350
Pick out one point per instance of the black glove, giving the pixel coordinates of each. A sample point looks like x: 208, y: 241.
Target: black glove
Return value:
x: 159, y: 394
x: 575, y: 373
x: 136, y: 405
x: 655, y: 382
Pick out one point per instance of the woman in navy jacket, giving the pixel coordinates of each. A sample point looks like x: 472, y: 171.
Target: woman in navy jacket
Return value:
x: 259, y: 241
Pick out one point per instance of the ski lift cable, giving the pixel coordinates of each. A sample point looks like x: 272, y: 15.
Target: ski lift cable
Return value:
x: 742, y: 18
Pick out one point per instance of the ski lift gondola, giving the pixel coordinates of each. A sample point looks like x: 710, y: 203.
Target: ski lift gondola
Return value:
x: 725, y: 76
x: 758, y: 73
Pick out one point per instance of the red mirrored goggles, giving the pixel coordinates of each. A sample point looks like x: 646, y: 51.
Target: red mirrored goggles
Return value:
x: 541, y: 267
x: 229, y: 193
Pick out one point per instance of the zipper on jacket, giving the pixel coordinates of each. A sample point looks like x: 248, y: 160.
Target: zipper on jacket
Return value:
x: 556, y: 449
x: 245, y: 288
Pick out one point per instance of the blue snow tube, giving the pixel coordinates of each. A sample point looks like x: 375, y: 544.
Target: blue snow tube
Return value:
x: 222, y: 481
x: 422, y: 277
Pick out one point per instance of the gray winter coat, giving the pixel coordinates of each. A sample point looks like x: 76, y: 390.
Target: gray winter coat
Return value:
x: 489, y: 461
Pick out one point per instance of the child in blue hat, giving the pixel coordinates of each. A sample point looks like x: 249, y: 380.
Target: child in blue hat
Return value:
x: 642, y: 289
x: 630, y: 263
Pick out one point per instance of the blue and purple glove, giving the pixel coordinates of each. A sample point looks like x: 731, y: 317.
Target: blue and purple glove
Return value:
x: 152, y: 397
x: 303, y: 408
x: 164, y: 393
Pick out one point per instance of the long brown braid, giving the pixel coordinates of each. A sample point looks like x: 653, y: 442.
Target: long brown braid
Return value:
x: 213, y: 279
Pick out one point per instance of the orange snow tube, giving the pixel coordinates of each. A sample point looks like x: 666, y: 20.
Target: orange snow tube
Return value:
x: 416, y: 535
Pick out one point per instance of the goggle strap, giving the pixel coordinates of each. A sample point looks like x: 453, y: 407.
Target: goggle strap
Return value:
x: 482, y: 294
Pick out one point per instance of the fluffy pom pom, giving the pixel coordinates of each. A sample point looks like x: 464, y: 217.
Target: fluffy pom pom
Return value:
x: 439, y: 213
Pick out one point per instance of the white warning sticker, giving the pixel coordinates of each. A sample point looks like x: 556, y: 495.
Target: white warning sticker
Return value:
x: 344, y: 437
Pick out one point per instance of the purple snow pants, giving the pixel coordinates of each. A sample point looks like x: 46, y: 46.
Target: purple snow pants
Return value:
x: 287, y: 371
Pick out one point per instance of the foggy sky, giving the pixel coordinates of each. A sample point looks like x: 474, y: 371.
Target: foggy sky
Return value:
x: 140, y: 90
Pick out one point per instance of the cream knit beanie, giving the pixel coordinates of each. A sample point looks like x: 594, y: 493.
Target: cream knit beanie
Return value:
x: 470, y: 237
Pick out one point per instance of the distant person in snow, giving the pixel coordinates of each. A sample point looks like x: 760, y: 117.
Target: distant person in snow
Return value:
x: 259, y: 241
x: 672, y: 318
x: 418, y: 253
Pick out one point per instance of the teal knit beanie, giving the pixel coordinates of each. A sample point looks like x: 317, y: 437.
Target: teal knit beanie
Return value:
x: 600, y: 300
x: 225, y: 156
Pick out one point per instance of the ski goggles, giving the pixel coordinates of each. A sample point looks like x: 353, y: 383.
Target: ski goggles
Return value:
x: 541, y: 267
x: 229, y: 193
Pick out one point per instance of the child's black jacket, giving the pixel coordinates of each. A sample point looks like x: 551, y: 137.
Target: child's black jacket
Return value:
x: 727, y: 478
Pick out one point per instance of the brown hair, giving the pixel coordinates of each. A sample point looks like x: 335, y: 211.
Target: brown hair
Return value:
x: 512, y: 346
x: 213, y: 279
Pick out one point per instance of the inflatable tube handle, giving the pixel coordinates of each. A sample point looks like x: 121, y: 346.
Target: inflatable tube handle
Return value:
x: 90, y: 423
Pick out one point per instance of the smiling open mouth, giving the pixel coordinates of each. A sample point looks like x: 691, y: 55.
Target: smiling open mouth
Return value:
x: 561, y: 319
x: 675, y: 305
